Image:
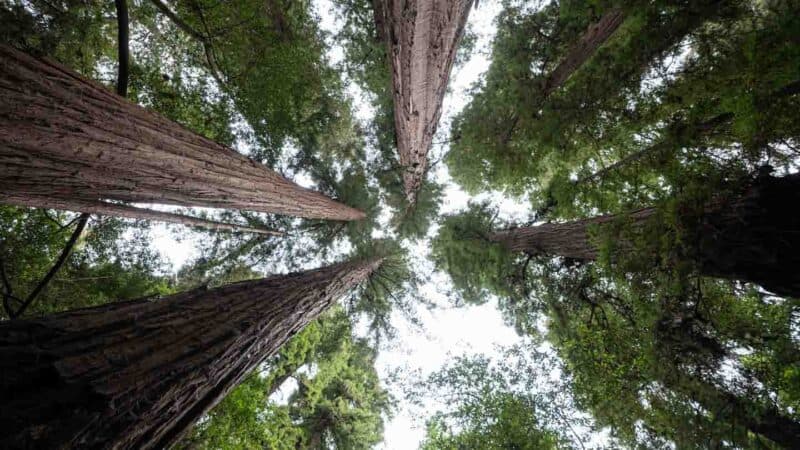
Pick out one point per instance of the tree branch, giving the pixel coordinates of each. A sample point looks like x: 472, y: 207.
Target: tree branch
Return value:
x: 205, y: 41
x: 53, y: 270
x: 178, y: 21
x: 122, y: 46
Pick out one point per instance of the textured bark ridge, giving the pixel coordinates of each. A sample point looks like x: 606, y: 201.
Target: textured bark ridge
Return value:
x: 754, y: 237
x: 595, y: 36
x: 138, y: 374
x: 569, y: 240
x: 422, y: 37
x: 65, y: 137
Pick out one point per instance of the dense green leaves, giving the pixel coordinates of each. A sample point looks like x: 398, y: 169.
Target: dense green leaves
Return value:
x: 657, y: 352
x: 112, y: 260
x: 338, y: 402
x: 520, y: 399
x: 682, y: 109
x: 476, y: 266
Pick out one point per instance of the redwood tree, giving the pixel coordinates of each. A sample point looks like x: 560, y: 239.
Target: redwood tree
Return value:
x: 752, y: 236
x: 66, y: 138
x: 138, y: 374
x: 422, y: 37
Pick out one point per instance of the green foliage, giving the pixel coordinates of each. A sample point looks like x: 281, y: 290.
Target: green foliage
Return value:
x: 649, y: 368
x: 105, y: 266
x: 339, y: 399
x: 188, y: 100
x: 477, y: 267
x: 269, y: 58
x: 392, y: 288
x: 511, y: 401
x: 677, y: 110
x: 662, y: 356
x: 75, y: 32
x: 512, y: 426
x: 511, y: 138
x: 366, y: 64
x: 415, y: 220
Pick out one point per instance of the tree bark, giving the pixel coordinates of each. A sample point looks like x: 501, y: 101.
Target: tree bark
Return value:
x: 131, y: 212
x: 138, y: 374
x: 569, y: 240
x: 595, y: 36
x: 754, y: 237
x: 65, y: 137
x: 422, y: 37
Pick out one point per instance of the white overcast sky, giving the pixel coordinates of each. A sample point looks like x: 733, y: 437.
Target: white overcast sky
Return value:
x: 446, y: 331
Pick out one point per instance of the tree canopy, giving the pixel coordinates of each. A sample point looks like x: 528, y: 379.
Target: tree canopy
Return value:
x: 648, y: 264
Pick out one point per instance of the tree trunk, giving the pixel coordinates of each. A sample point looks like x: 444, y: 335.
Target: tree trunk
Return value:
x: 65, y: 137
x: 569, y: 240
x: 753, y: 237
x: 138, y: 374
x: 765, y: 420
x: 131, y: 212
x: 422, y: 37
x: 595, y: 36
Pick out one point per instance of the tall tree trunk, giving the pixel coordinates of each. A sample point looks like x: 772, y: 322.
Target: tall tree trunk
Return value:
x: 595, y: 36
x: 138, y: 374
x: 753, y: 237
x: 765, y: 420
x: 65, y: 137
x: 131, y: 212
x: 569, y: 240
x: 422, y: 37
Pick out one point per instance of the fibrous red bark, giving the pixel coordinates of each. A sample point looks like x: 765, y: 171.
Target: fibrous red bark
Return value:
x: 422, y: 37
x: 65, y: 137
x: 138, y: 374
x: 753, y: 237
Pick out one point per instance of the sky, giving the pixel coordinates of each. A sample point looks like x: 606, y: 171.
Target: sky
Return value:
x: 446, y: 331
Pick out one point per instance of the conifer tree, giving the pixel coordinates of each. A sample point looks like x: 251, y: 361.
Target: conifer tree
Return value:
x: 138, y: 374
x: 750, y: 236
x: 66, y: 138
x: 422, y: 37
